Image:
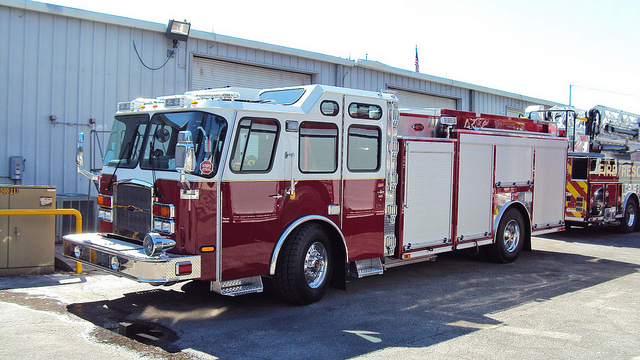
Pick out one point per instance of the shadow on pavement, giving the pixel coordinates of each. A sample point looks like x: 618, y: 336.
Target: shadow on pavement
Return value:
x: 599, y: 236
x: 413, y: 306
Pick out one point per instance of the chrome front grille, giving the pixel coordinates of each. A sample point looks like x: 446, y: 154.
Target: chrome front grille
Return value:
x: 132, y: 210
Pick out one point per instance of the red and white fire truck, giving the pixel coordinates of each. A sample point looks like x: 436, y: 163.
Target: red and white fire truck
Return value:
x: 603, y: 171
x: 307, y: 185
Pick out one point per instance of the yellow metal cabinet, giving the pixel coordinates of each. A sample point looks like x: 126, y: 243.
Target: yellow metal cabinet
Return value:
x: 28, y: 241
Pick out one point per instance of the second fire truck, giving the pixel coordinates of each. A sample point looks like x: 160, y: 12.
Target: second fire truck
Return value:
x: 307, y: 185
x: 603, y: 171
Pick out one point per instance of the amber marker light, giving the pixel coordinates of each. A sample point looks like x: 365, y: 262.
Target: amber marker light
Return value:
x: 104, y: 201
x: 205, y: 249
x: 163, y: 210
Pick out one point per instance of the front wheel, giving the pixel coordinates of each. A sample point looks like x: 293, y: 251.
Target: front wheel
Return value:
x: 628, y: 222
x: 509, y: 239
x: 304, y: 267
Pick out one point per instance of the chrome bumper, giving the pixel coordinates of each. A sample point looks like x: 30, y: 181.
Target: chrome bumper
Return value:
x: 129, y: 260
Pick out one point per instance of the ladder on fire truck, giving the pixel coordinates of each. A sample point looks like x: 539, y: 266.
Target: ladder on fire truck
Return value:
x: 601, y: 129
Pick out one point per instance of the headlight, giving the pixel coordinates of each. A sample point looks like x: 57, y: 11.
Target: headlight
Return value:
x: 163, y: 226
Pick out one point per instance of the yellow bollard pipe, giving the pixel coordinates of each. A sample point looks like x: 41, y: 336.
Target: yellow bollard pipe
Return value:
x: 73, y: 212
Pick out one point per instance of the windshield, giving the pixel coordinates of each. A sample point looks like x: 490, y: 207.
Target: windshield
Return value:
x: 125, y: 140
x: 157, y: 146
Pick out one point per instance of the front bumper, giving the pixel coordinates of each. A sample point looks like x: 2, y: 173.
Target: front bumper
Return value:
x: 125, y: 259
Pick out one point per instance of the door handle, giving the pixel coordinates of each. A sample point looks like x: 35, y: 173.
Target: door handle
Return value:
x: 276, y: 196
x: 291, y: 191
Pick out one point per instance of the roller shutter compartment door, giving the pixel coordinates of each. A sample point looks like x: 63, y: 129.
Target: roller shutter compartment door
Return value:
x: 412, y: 100
x: 209, y: 73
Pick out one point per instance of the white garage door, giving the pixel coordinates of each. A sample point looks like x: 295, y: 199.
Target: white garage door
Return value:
x: 514, y: 112
x: 412, y: 100
x: 208, y: 73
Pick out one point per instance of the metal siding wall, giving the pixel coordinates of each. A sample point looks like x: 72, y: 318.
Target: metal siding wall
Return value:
x: 76, y: 70
x: 493, y: 104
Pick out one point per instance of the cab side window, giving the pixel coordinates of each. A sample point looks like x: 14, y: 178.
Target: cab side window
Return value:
x: 363, y: 151
x: 318, y: 147
x: 255, y: 145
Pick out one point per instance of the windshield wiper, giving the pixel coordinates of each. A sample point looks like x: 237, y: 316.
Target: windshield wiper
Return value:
x: 152, y: 156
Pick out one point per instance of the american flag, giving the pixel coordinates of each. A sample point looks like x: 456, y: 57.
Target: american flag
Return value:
x: 417, y: 62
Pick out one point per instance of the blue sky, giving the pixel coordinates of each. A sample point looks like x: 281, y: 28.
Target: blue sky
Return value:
x: 534, y: 48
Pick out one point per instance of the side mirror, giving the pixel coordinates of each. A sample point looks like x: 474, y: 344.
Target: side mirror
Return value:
x: 185, y: 153
x: 80, y: 150
x: 80, y: 160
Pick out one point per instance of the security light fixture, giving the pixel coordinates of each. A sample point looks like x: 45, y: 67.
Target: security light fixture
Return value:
x: 178, y: 31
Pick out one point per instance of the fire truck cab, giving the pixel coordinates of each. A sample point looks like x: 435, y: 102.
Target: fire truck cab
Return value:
x: 309, y: 184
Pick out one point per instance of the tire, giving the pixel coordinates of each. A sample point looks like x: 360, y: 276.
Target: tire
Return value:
x: 304, y: 267
x: 510, y: 238
x: 630, y: 218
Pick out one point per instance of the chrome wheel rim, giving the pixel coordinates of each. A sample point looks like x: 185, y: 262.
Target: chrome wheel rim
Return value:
x: 315, y: 265
x: 631, y: 215
x: 511, y: 236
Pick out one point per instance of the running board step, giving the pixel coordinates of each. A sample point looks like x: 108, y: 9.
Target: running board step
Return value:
x: 368, y: 267
x: 237, y: 287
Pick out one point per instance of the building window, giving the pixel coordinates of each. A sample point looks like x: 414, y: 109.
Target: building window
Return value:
x: 365, y: 111
x: 255, y: 145
x: 363, y: 152
x: 318, y: 147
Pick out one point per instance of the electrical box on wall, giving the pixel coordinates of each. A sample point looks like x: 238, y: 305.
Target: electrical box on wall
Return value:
x: 16, y: 167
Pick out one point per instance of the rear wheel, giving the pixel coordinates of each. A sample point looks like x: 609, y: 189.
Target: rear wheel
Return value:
x: 509, y: 239
x: 630, y: 219
x: 304, y: 266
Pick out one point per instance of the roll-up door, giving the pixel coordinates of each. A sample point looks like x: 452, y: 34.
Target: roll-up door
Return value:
x: 412, y: 100
x: 209, y: 73
x: 514, y: 112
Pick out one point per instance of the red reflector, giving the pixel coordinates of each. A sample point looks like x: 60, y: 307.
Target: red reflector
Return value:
x: 183, y: 268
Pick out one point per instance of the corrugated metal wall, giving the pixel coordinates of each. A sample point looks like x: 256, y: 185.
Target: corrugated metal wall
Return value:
x: 78, y: 65
x: 494, y: 104
x: 74, y: 70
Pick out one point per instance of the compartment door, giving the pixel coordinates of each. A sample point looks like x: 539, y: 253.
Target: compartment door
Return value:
x: 428, y: 195
x: 475, y: 187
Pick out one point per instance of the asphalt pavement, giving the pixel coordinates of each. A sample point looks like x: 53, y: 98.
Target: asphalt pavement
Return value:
x: 574, y: 296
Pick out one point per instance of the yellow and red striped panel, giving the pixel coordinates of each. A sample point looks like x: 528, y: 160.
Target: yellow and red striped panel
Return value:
x: 576, y: 204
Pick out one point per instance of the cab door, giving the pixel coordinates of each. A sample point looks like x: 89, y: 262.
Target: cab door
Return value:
x: 363, y: 176
x: 252, y: 196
